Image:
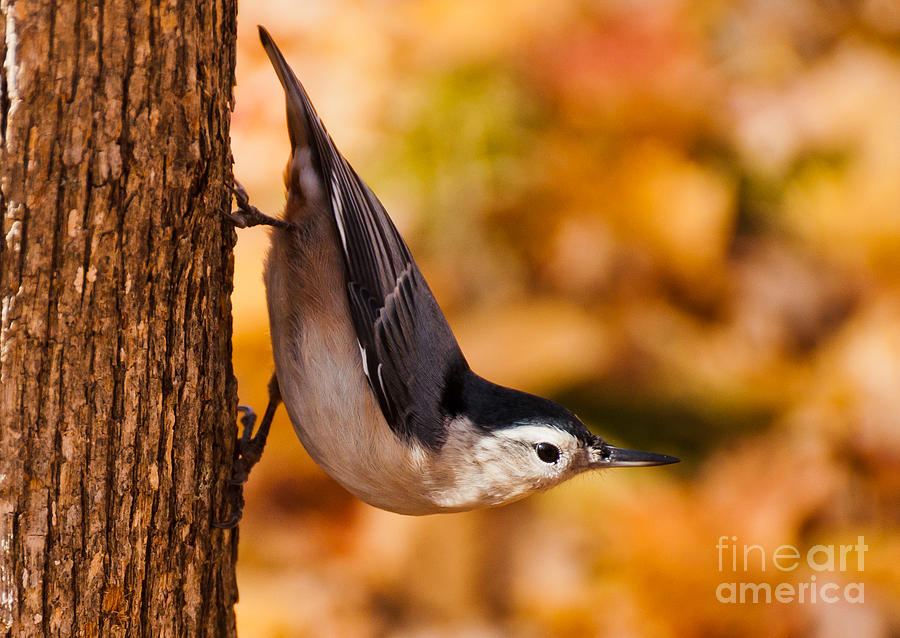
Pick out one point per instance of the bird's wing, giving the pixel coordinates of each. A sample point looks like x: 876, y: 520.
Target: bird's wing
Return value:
x: 406, y: 346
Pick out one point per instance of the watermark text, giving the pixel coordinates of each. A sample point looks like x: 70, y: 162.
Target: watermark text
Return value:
x: 740, y: 559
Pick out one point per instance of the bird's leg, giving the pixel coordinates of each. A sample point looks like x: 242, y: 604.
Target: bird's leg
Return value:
x: 248, y: 215
x: 248, y: 451
x: 235, y: 484
x: 251, y: 448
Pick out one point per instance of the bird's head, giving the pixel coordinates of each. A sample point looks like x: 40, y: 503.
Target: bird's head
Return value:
x: 505, y: 444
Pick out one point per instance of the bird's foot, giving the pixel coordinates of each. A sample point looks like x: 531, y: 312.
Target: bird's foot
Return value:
x: 247, y: 453
x: 248, y: 215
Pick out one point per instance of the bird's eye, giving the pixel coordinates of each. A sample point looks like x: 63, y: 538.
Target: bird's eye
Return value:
x: 547, y: 453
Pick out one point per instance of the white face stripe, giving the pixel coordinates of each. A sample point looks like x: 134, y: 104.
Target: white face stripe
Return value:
x: 535, y: 434
x: 477, y: 469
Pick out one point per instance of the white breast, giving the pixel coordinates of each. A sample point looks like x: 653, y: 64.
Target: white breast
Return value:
x: 320, y: 375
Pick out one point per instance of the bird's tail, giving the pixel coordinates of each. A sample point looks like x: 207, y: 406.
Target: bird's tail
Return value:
x: 313, y: 153
x: 299, y: 109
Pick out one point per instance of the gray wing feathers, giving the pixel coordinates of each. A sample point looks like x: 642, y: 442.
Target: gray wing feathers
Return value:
x: 415, y: 348
x: 406, y: 345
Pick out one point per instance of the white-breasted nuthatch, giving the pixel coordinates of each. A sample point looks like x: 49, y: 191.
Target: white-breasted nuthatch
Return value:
x: 374, y: 382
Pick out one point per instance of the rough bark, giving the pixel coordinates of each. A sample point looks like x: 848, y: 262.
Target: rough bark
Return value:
x: 116, y: 394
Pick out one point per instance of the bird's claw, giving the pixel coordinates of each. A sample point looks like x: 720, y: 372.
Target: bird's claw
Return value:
x: 248, y: 215
x: 240, y: 470
x: 233, y: 520
x: 240, y: 193
x: 248, y: 420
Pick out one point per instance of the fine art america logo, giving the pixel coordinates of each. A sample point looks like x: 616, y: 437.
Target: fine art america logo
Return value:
x: 825, y: 578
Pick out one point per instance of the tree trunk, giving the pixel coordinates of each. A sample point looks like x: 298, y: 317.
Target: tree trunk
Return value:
x: 117, y: 401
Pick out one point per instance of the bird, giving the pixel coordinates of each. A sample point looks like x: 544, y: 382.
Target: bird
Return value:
x: 373, y: 380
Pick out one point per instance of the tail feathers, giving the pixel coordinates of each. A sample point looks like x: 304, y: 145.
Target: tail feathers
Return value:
x: 299, y: 109
x: 311, y: 147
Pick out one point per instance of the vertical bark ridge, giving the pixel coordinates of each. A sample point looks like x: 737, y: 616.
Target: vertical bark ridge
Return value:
x: 116, y: 393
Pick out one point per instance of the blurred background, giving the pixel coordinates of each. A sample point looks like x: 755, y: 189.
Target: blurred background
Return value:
x: 681, y: 219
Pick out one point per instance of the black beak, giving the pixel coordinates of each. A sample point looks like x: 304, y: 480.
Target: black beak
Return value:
x: 604, y: 455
